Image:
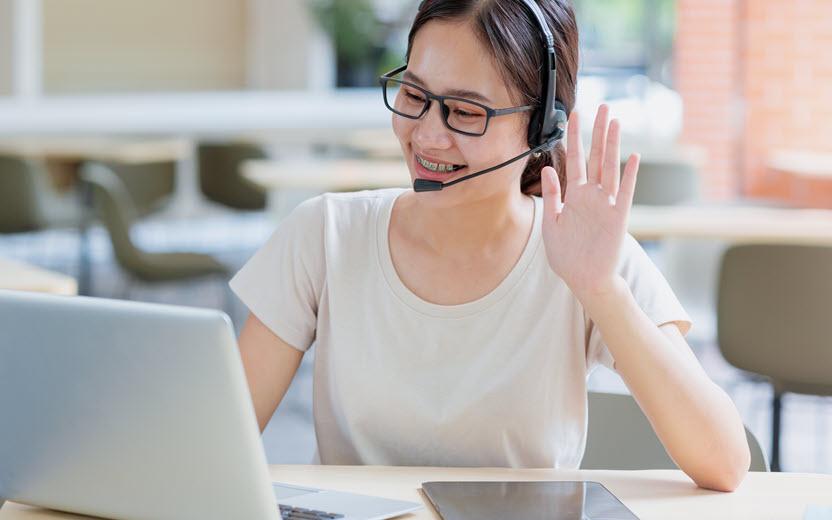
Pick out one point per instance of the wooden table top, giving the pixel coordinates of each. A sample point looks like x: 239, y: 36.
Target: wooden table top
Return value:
x: 112, y: 149
x: 19, y: 276
x: 659, y: 495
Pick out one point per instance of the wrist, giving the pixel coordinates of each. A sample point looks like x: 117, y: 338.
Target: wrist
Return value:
x: 603, y: 291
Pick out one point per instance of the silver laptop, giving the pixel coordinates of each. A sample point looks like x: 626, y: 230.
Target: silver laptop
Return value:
x: 138, y: 411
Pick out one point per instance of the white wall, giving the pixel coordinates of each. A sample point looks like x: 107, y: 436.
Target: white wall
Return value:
x: 98, y: 46
x: 6, y: 17
x: 287, y: 50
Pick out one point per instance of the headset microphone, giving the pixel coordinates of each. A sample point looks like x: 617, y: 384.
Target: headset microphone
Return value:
x: 432, y: 185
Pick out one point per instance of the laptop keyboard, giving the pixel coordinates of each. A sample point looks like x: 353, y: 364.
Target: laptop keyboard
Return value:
x: 299, y: 513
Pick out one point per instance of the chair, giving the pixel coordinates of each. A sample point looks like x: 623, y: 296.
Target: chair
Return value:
x: 666, y: 182
x: 116, y: 210
x: 773, y: 320
x: 620, y: 437
x: 150, y: 185
x: 28, y: 202
x: 220, y: 179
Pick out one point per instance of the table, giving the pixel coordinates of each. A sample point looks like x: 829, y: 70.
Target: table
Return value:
x: 327, y: 174
x: 19, y: 276
x: 802, y: 164
x: 737, y: 224
x: 650, y: 494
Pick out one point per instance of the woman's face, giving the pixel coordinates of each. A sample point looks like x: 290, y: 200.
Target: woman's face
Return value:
x: 447, y: 58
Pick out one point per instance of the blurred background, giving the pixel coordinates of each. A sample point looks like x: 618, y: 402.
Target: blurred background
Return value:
x: 147, y: 149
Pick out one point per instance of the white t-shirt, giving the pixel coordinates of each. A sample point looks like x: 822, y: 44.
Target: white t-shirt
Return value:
x: 499, y: 381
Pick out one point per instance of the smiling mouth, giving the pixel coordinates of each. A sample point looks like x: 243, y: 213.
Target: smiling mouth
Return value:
x: 438, y: 167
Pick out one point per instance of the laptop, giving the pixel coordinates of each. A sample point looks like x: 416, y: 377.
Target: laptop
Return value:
x: 139, y: 411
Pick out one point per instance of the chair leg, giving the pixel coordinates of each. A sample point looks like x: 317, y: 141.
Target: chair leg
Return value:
x: 776, y: 411
x: 84, y: 249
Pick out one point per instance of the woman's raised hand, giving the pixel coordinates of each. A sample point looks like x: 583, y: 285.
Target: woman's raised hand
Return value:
x: 583, y: 234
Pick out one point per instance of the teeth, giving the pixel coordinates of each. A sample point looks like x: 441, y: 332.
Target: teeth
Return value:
x: 436, y: 167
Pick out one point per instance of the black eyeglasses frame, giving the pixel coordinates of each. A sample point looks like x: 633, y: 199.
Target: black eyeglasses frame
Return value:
x: 430, y: 96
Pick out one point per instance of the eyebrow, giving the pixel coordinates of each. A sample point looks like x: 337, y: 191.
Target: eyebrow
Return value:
x: 467, y: 94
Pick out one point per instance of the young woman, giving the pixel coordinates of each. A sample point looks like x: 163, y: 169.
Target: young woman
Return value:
x: 457, y: 327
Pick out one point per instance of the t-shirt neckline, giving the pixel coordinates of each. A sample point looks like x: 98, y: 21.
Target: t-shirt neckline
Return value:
x: 464, y: 309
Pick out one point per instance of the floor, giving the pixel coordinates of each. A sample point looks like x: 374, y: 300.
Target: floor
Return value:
x: 289, y: 438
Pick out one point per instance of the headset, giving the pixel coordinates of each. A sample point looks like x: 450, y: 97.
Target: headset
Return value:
x: 547, y: 124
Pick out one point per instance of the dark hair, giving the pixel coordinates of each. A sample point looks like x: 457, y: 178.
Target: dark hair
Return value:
x: 518, y: 45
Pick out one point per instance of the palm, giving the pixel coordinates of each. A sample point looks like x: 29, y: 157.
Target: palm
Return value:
x: 583, y: 235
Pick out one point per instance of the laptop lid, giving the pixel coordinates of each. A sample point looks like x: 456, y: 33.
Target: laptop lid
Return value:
x: 126, y: 410
x: 568, y: 500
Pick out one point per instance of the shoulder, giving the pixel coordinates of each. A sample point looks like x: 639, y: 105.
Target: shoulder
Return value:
x: 332, y: 208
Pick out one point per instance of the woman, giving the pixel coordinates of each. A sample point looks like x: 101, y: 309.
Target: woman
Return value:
x: 457, y: 327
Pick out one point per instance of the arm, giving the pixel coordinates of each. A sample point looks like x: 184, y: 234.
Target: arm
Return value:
x: 694, y: 418
x: 697, y: 422
x: 270, y: 365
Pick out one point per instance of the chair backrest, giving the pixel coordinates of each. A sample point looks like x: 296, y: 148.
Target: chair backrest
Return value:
x: 620, y: 437
x: 116, y: 210
x: 773, y: 314
x: 220, y: 179
x: 150, y: 185
x: 19, y: 206
x: 664, y: 183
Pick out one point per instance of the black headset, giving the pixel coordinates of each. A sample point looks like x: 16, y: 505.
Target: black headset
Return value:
x: 548, y: 122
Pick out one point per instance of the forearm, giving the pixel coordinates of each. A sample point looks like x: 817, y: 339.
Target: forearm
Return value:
x: 695, y: 420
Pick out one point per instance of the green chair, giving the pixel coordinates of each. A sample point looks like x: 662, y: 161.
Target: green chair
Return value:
x: 220, y: 179
x: 773, y: 320
x: 150, y: 185
x: 666, y: 183
x: 114, y: 207
x: 27, y: 200
x: 619, y: 437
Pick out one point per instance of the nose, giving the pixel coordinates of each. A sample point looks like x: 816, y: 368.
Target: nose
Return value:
x: 430, y: 131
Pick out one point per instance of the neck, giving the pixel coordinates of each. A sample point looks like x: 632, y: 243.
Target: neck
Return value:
x: 471, y: 227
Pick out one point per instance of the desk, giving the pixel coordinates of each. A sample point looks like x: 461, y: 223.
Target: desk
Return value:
x: 738, y: 224
x: 18, y: 276
x: 659, y: 495
x: 63, y: 155
x: 327, y: 174
x: 77, y: 149
x: 807, y: 165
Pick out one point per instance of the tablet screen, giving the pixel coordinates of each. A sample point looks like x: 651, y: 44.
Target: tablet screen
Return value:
x: 570, y: 500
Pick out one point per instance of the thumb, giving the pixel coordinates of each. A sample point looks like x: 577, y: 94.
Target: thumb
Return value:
x: 552, y: 204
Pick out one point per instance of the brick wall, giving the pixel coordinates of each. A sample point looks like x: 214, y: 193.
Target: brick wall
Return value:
x: 756, y: 76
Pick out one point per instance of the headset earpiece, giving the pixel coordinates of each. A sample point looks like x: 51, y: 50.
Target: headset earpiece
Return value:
x: 548, y: 123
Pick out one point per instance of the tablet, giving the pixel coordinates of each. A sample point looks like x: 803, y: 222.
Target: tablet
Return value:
x: 568, y: 500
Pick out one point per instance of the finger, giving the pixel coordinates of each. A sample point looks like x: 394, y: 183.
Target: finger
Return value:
x: 575, y: 163
x: 596, y: 151
x: 628, y: 183
x: 611, y: 168
x: 552, y: 204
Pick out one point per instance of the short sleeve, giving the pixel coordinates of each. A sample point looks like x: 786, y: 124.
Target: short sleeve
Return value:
x: 652, y: 293
x: 282, y: 283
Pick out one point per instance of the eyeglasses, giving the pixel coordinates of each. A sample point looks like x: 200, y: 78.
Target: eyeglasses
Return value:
x: 460, y: 115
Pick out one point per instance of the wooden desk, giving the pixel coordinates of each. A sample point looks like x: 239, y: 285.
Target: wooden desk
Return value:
x: 659, y: 495
x: 77, y: 149
x: 327, y: 174
x: 18, y: 276
x: 738, y: 224
x: 63, y: 155
x: 808, y: 165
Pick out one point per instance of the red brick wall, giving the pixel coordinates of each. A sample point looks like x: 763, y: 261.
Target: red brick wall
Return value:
x: 755, y: 76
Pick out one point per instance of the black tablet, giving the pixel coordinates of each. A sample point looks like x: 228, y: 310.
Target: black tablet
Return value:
x: 569, y: 500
